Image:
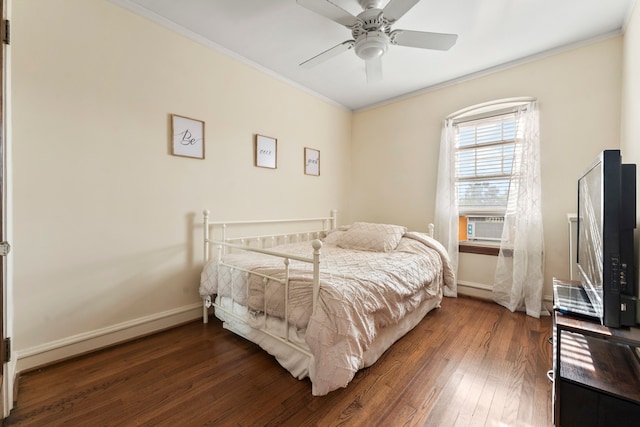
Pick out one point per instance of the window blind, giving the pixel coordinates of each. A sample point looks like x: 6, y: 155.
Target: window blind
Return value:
x: 485, y: 150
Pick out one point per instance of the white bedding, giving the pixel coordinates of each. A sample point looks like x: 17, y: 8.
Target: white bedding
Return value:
x: 362, y: 293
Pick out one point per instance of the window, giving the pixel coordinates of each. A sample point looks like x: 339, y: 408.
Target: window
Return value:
x: 484, y: 153
x: 484, y: 157
x: 479, y: 154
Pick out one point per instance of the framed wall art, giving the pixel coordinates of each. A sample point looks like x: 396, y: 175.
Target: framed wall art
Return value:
x: 266, y: 152
x: 311, y: 161
x: 187, y: 137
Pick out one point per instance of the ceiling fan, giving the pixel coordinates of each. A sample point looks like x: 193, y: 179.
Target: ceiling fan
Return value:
x: 372, y: 34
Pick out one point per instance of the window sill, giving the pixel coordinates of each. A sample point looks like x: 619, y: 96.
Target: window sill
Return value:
x: 492, y: 249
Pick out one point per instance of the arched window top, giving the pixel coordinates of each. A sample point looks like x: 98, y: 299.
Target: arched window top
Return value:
x: 490, y: 108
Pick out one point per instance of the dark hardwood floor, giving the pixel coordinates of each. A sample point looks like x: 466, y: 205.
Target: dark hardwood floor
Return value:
x: 468, y: 363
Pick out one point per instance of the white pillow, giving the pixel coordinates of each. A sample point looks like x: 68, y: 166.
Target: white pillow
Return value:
x: 332, y: 236
x: 365, y: 236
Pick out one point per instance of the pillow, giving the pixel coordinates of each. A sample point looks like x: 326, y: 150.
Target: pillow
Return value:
x: 372, y: 237
x: 333, y: 236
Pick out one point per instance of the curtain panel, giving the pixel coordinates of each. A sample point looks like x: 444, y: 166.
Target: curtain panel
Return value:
x: 446, y: 217
x: 519, y: 274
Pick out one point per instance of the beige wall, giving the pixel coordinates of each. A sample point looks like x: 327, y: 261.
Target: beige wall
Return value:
x: 103, y: 214
x: 630, y: 144
x: 395, y: 147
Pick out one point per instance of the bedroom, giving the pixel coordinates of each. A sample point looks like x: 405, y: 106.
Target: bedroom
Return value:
x: 104, y: 219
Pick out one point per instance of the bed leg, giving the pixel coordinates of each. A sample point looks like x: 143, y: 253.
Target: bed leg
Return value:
x: 205, y: 312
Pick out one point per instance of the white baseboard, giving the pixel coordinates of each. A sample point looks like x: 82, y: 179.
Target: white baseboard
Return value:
x: 75, y: 345
x: 474, y: 289
x: 480, y: 290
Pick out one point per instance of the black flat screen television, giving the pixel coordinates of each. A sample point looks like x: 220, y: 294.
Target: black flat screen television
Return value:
x: 606, y: 220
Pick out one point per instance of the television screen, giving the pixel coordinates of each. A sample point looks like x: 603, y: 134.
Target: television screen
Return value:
x: 590, y: 255
x: 606, y: 220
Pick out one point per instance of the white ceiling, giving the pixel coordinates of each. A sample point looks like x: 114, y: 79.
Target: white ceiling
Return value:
x: 277, y: 35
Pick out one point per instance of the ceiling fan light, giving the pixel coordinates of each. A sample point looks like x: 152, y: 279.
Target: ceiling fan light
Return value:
x: 371, y: 45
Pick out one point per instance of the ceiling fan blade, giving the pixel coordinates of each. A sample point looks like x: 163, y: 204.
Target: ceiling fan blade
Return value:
x: 395, y: 9
x: 329, y: 10
x: 423, y: 39
x: 328, y: 54
x: 374, y: 69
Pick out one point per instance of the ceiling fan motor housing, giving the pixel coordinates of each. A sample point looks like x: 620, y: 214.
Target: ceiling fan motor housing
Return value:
x: 368, y: 4
x: 370, y: 20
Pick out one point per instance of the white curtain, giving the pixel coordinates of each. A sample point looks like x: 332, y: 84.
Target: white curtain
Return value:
x: 519, y: 273
x: 446, y: 218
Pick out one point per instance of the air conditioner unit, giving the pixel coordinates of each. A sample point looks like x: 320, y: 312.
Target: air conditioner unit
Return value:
x: 485, y: 227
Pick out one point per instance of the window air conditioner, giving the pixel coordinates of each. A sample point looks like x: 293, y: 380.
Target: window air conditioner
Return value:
x: 485, y: 227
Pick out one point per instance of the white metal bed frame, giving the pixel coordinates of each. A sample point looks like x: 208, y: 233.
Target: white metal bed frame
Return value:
x: 292, y: 352
x: 227, y: 244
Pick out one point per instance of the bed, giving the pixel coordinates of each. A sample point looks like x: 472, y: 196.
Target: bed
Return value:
x: 326, y: 301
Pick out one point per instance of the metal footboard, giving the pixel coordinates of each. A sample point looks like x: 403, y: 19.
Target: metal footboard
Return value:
x: 226, y: 245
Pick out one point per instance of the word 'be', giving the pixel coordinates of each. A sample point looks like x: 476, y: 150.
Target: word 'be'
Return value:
x: 187, y: 138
